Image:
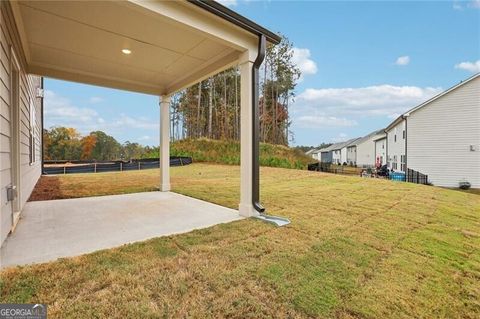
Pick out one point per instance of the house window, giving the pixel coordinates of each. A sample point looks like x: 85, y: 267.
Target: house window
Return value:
x: 403, y: 133
x: 394, y: 164
x: 32, y: 137
x: 402, y: 163
x: 395, y: 138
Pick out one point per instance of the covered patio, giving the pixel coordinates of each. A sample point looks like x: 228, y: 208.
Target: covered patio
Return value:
x: 71, y: 227
x: 152, y: 47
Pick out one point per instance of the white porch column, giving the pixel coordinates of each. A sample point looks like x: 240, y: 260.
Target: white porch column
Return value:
x: 164, y: 143
x: 246, y: 116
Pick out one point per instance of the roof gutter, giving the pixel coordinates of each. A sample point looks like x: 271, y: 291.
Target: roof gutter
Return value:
x: 237, y: 19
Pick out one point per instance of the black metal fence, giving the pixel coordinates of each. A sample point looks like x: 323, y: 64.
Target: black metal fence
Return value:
x: 108, y: 166
x: 416, y: 177
x: 335, y: 169
x: 411, y: 175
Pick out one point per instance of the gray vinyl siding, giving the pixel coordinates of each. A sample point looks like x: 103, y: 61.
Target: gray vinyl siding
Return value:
x: 395, y: 147
x: 440, y: 134
x: 381, y: 150
x: 326, y: 157
x: 29, y: 173
x: 352, y: 155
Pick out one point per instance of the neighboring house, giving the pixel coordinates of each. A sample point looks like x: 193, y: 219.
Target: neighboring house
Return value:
x: 310, y: 152
x: 365, y: 149
x: 396, y: 145
x: 352, y: 154
x: 443, y: 136
x: 337, y: 154
x: 339, y: 151
x: 326, y: 154
x: 318, y: 155
x: 150, y: 47
x: 380, y: 141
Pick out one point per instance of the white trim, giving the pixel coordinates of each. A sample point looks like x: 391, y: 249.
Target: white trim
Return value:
x: 441, y: 94
x: 17, y: 16
x: 15, y: 114
x: 164, y: 148
x: 406, y: 114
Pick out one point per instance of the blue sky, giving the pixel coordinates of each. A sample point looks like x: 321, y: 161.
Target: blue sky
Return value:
x: 364, y: 63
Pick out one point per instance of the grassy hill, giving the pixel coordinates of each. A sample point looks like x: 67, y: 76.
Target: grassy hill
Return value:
x: 228, y: 152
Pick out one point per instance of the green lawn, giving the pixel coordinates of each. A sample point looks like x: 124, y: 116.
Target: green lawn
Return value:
x: 356, y: 248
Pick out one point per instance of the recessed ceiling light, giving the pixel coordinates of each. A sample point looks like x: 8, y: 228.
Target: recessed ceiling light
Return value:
x: 126, y: 51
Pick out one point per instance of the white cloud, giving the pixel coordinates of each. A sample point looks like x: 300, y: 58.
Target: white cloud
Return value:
x: 301, y: 57
x: 59, y: 111
x: 95, y: 99
x: 473, y: 67
x: 144, y: 138
x: 315, y: 121
x: 403, y: 60
x: 228, y: 3
x: 342, y: 137
x: 341, y: 107
x: 460, y: 5
x: 474, y: 4
x: 125, y: 121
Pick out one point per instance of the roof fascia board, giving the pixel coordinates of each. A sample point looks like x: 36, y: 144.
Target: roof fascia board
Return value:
x: 409, y: 112
x: 237, y: 19
x: 189, y: 15
x: 441, y: 94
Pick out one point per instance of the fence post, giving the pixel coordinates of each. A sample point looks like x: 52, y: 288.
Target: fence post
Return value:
x: 139, y: 165
x: 95, y: 168
x: 121, y: 166
x: 64, y: 169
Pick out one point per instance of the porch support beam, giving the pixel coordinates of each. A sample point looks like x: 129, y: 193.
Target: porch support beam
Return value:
x: 164, y: 143
x: 246, y: 136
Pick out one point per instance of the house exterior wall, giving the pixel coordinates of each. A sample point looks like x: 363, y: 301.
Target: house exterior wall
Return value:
x: 366, y: 153
x: 343, y: 155
x: 336, y: 157
x: 326, y: 157
x: 28, y: 125
x: 396, y: 147
x: 441, y: 134
x: 381, y: 151
x: 352, y: 155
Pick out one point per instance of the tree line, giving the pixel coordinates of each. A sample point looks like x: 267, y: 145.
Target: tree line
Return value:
x: 211, y: 108
x: 64, y: 143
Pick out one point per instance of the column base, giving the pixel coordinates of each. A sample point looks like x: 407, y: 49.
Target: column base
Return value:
x: 165, y: 188
x: 247, y: 210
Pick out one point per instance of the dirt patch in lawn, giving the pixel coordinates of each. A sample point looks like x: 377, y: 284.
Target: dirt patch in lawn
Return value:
x: 47, y: 188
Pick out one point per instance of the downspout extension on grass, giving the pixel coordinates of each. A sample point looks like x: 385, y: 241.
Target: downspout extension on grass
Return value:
x: 279, y: 221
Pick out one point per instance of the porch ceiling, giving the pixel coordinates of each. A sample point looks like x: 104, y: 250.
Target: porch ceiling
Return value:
x: 173, y: 44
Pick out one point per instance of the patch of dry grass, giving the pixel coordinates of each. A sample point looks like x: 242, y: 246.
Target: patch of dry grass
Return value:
x: 356, y: 248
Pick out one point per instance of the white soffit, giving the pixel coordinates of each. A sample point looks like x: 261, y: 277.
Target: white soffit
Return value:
x: 83, y: 41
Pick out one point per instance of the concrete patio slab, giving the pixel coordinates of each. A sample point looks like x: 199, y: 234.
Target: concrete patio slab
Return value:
x: 63, y: 228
